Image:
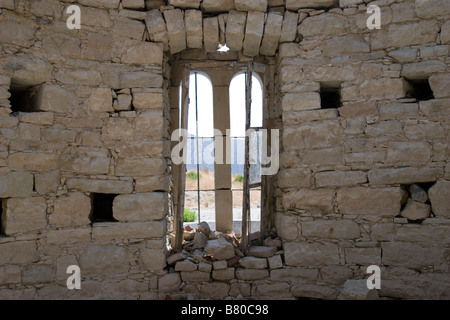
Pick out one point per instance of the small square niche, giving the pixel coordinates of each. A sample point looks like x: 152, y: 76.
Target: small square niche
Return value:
x: 22, y: 97
x: 330, y: 95
x: 419, y: 89
x: 102, y: 207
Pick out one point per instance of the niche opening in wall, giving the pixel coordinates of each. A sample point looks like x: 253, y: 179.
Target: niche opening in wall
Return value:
x: 419, y: 89
x: 102, y: 207
x: 330, y: 95
x: 22, y: 97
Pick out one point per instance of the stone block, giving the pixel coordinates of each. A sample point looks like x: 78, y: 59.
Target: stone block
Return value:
x: 140, y: 207
x: 440, y: 84
x: 17, y: 184
x: 133, y: 4
x: 258, y: 5
x: 176, y: 30
x: 445, y: 33
x: 287, y: 227
x: 363, y: 256
x: 340, y: 178
x: 104, y: 260
x: 153, y: 260
x: 294, y: 274
x: 71, y: 210
x: 275, y: 262
x: 220, y: 249
x: 101, y: 100
x: 194, y: 28
x: 148, y: 100
x: 195, y: 276
x: 215, y: 290
x: 305, y: 254
x: 26, y: 70
x: 151, y: 124
x: 262, y: 251
x: 344, y: 45
x: 294, y: 178
x: 36, y: 161
x: 139, y: 79
x: 145, y: 53
x: 289, y: 27
x: 404, y: 35
x: 211, y: 34
x: 419, y: 70
x: 253, y: 263
x: 18, y: 252
x: 169, y: 283
x: 440, y: 198
x: 370, y: 201
x: 403, y: 175
x: 156, y: 27
x: 323, y: 24
x: 426, y: 9
x: 41, y: 118
x: 435, y: 109
x: 404, y: 55
x: 54, y: 98
x: 130, y: 230
x: 399, y: 111
x: 272, y: 34
x: 104, y: 4
x: 100, y: 186
x: 219, y: 265
x: 73, y: 77
x: 381, y: 89
x: 251, y: 274
x: 59, y: 135
x: 320, y: 200
x: 331, y: 229
x: 139, y: 167
x: 24, y: 215
x: 216, y: 6
x: 195, y: 4
x: 408, y: 153
x: 416, y: 211
x: 226, y: 274
x: 10, y: 275
x: 294, y: 5
x: 336, y: 275
x: 17, y: 30
x: 417, y: 193
x: 235, y: 30
x: 38, y: 274
x: 411, y: 255
x: 253, y: 33
x: 300, y: 101
x: 68, y: 236
x: 277, y: 291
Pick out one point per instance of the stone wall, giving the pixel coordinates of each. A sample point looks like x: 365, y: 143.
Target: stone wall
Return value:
x: 364, y: 183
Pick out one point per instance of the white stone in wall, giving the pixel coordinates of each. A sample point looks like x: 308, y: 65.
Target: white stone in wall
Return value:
x: 176, y: 30
x: 272, y: 33
x: 194, y: 4
x: 211, y: 34
x: 194, y: 28
x: 156, y: 28
x: 253, y: 33
x: 235, y: 30
x: 255, y: 5
x: 289, y: 27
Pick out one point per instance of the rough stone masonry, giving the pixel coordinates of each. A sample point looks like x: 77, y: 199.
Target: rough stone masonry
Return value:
x: 86, y: 116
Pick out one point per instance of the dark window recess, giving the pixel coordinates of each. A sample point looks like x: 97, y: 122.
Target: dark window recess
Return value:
x: 419, y: 89
x: 23, y: 97
x: 102, y: 207
x: 330, y: 96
